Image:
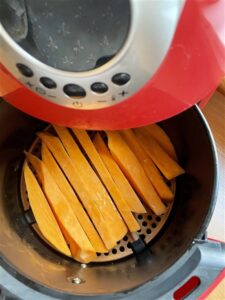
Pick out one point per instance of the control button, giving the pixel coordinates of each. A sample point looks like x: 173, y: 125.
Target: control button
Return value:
x: 99, y: 87
x: 121, y: 78
x: 74, y: 90
x: 24, y: 70
x: 48, y: 82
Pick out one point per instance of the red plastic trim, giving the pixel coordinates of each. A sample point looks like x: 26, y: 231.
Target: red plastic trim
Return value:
x: 213, y: 285
x: 215, y: 240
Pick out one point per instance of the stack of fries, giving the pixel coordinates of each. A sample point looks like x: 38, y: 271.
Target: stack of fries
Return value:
x: 85, y: 188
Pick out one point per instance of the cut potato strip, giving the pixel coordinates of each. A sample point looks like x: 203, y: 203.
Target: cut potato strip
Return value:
x: 134, y: 172
x: 106, y: 178
x: 161, y: 137
x: 84, y: 192
x: 43, y: 214
x: 121, y: 181
x: 148, y: 165
x: 169, y: 167
x: 112, y: 218
x: 75, y: 204
x: 80, y: 245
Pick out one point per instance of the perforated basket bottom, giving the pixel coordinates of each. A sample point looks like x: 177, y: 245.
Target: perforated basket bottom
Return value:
x: 150, y: 224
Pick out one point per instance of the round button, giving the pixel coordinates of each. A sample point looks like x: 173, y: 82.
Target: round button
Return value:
x: 24, y: 70
x: 121, y: 78
x: 48, y: 82
x: 74, y: 90
x: 99, y: 87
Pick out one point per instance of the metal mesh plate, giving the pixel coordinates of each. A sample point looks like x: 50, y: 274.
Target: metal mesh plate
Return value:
x: 150, y: 223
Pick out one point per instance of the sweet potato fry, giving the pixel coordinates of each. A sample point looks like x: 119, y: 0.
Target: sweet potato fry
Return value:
x: 134, y: 172
x: 75, y: 204
x: 121, y: 181
x: 106, y: 178
x: 161, y: 137
x: 148, y: 165
x: 169, y: 167
x: 80, y: 245
x: 99, y: 193
x: 43, y: 214
x: 84, y: 192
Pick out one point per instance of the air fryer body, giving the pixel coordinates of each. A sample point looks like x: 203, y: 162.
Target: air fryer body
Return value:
x: 28, y: 257
x: 166, y: 56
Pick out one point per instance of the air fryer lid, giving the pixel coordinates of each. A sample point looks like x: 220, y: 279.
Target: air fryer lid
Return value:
x: 28, y: 258
x: 55, y: 32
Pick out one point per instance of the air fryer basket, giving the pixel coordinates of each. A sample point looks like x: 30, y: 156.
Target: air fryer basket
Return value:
x: 26, y: 256
x: 150, y: 224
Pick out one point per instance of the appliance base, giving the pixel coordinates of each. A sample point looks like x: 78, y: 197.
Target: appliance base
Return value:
x: 206, y: 260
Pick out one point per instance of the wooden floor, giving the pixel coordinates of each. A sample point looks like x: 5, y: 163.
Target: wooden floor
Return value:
x: 215, y: 114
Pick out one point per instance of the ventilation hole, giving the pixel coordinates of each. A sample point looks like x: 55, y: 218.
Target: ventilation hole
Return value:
x: 114, y: 251
x: 148, y: 231
x: 149, y: 217
x: 129, y: 245
x: 118, y: 242
x: 144, y: 223
x: 139, y: 230
x: 98, y: 254
x: 142, y: 236
x: 106, y: 254
x: 140, y: 217
x: 125, y: 238
x: 154, y: 225
x: 122, y: 249
x: 158, y: 219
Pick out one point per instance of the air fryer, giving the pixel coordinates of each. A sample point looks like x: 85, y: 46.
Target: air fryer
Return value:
x: 111, y: 65
x: 180, y: 239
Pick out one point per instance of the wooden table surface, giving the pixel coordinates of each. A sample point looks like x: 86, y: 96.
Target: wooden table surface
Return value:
x: 214, y: 112
x: 215, y: 115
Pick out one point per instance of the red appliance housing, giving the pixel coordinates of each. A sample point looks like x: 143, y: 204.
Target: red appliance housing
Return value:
x: 190, y: 72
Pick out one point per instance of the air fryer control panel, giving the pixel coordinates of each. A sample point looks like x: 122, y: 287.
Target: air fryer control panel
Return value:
x: 86, y: 55
x: 95, y: 94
